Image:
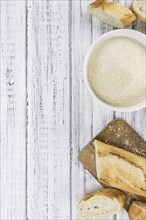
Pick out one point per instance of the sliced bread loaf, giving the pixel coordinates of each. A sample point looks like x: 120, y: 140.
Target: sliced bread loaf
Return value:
x: 112, y: 13
x: 120, y: 169
x: 103, y: 203
x: 139, y: 8
x: 137, y: 211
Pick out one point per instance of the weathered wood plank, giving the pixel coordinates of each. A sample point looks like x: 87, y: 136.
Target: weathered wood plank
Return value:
x: 62, y: 117
x: 48, y: 110
x: 81, y: 114
x: 13, y: 111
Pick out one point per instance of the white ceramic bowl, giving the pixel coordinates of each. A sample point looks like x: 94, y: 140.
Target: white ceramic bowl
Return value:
x: 127, y: 33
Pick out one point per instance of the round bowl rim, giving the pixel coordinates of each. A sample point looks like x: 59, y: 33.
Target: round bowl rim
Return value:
x: 112, y: 34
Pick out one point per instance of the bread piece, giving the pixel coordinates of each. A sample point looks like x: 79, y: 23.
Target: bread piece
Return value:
x: 112, y: 13
x: 120, y: 169
x: 137, y: 211
x: 101, y: 204
x: 139, y: 8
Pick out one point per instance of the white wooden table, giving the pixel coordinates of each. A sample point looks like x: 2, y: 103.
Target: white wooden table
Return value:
x: 47, y: 114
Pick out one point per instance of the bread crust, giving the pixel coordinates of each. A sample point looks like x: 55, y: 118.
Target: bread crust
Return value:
x: 112, y: 194
x: 137, y: 211
x: 109, y: 193
x: 114, y: 174
x: 118, y: 11
x: 138, y: 15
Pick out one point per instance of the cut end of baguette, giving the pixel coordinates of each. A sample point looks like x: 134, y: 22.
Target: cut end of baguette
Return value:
x: 103, y: 203
x: 139, y: 8
x: 137, y: 211
x: 106, y: 18
x: 112, y: 13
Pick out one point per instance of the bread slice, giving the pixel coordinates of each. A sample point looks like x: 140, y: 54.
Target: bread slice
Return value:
x: 120, y: 169
x: 139, y: 8
x: 103, y: 203
x: 137, y: 211
x: 112, y: 13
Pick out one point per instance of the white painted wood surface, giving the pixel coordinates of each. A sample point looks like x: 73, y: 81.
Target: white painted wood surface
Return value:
x: 48, y: 110
x: 13, y: 110
x: 47, y: 114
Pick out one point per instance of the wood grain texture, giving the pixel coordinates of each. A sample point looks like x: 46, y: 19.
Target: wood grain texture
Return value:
x: 13, y: 115
x: 81, y: 105
x: 48, y: 110
x: 47, y: 180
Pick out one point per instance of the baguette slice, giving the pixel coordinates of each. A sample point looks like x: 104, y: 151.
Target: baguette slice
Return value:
x: 137, y: 211
x: 139, y: 8
x: 120, y: 169
x: 103, y: 203
x: 112, y: 13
